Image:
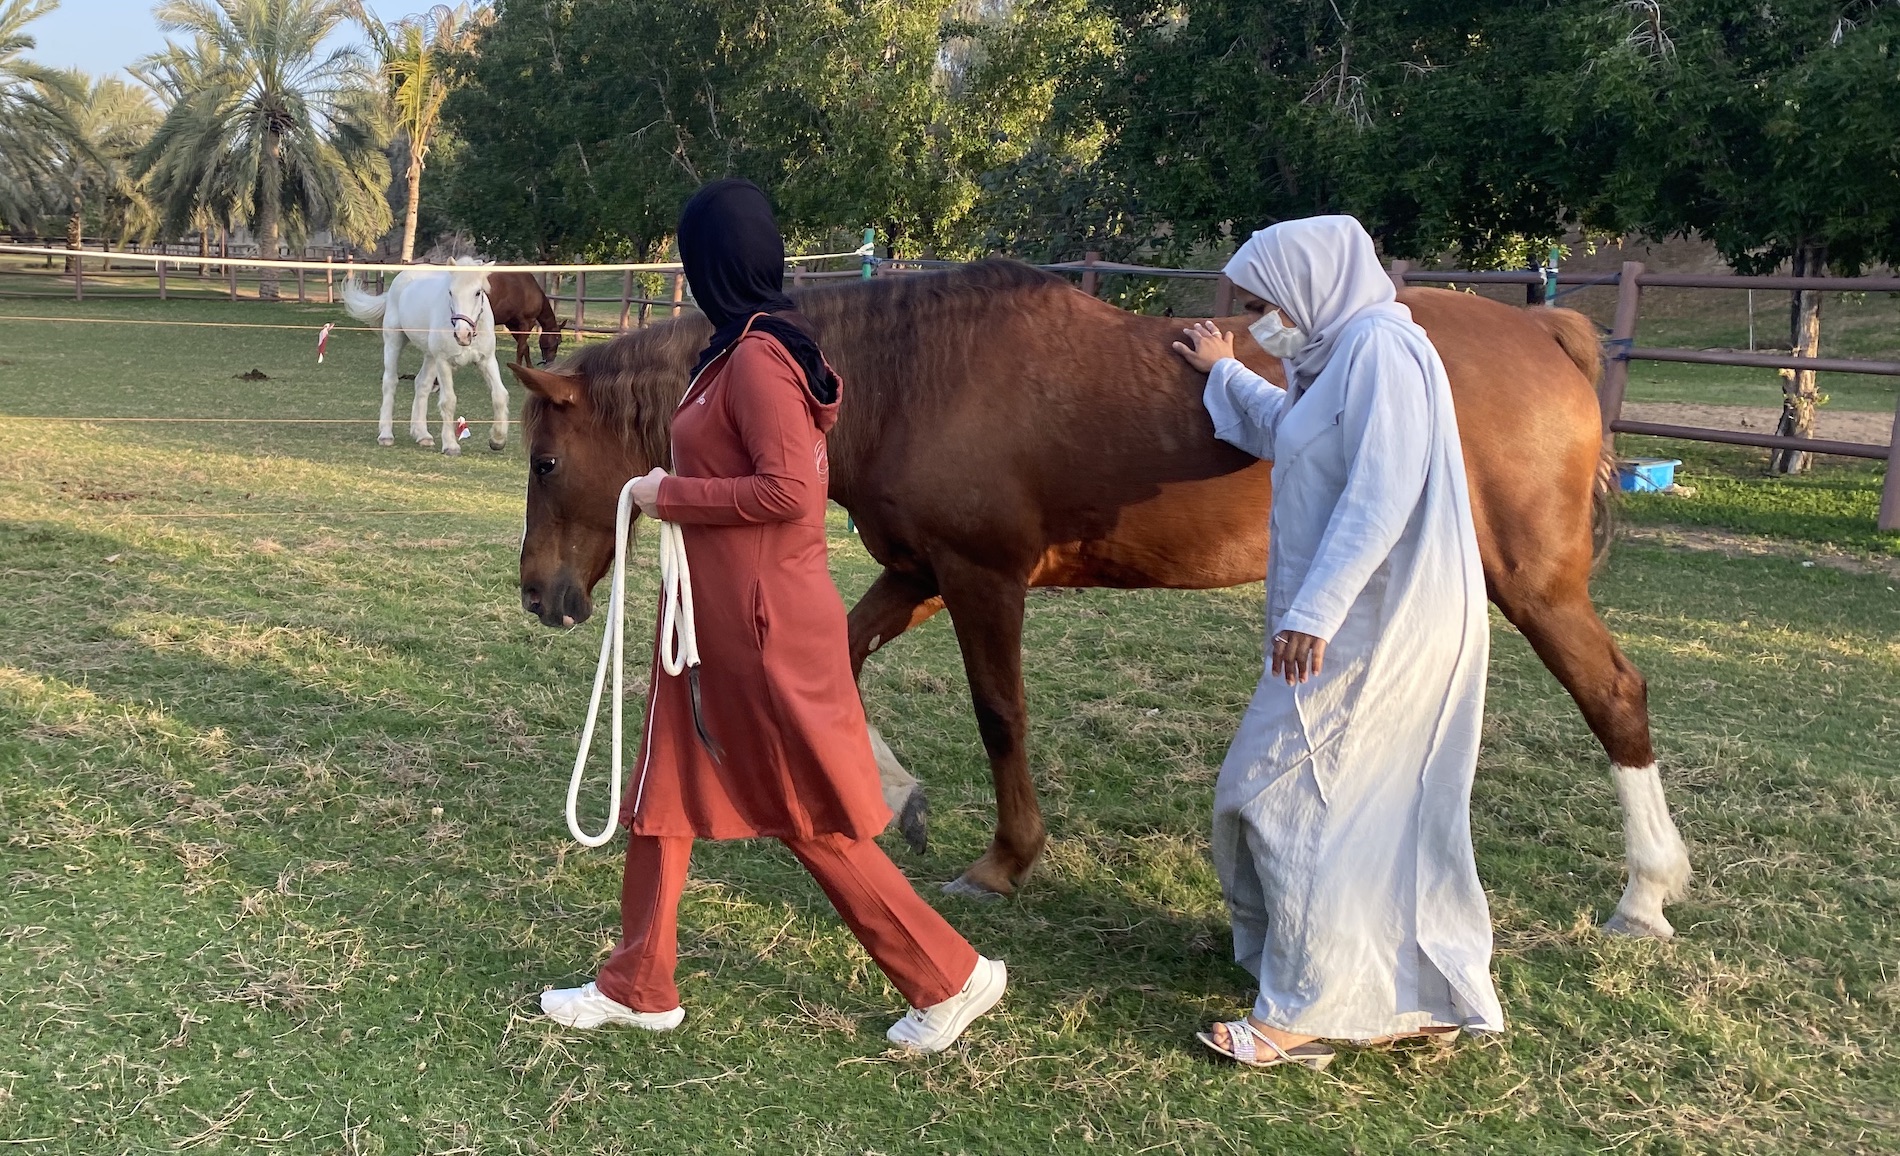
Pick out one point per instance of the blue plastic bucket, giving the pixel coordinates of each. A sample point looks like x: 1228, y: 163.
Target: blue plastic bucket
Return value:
x: 1646, y: 475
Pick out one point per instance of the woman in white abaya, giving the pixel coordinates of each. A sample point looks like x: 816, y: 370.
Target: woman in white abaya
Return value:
x: 1342, y: 814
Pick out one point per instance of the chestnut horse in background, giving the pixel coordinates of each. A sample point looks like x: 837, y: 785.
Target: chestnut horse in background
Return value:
x: 1003, y: 430
x: 520, y: 305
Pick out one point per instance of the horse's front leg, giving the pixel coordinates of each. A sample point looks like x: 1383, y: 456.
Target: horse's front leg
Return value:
x: 419, y: 408
x: 498, y: 397
x: 896, y: 602
x: 445, y: 380
x: 392, y: 357
x: 987, y: 609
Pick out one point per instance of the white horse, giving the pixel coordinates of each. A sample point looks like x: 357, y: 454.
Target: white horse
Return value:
x: 445, y: 313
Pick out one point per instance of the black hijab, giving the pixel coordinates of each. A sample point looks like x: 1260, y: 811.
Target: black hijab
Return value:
x: 735, y: 262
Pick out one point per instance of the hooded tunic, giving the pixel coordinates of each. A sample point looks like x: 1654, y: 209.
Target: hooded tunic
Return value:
x: 1342, y: 812
x: 748, y: 491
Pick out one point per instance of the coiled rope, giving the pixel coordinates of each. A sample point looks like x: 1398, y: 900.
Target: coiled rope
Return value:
x: 678, y: 654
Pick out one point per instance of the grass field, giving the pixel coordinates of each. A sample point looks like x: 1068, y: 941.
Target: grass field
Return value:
x: 286, y: 870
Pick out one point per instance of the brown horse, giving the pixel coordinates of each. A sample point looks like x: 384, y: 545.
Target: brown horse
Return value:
x: 1004, y: 430
x: 520, y: 305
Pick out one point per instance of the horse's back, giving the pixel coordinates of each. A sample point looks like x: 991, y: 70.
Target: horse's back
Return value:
x: 1531, y: 428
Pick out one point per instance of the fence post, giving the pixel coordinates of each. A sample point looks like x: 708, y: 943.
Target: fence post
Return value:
x: 1616, y: 371
x: 79, y: 277
x: 1397, y: 272
x: 869, y: 268
x: 161, y: 280
x: 626, y: 297
x: 1091, y: 280
x: 679, y: 292
x: 1550, y: 279
x: 1890, y: 490
x: 580, y: 306
x: 1223, y: 297
x: 301, y: 298
x: 230, y: 272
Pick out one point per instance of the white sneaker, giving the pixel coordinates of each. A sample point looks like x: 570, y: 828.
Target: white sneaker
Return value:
x: 934, y: 1028
x: 585, y: 1007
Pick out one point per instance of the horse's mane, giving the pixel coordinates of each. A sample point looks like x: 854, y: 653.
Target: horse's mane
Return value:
x: 905, y: 331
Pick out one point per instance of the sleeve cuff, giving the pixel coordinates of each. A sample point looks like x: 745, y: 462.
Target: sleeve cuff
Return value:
x: 1306, y: 622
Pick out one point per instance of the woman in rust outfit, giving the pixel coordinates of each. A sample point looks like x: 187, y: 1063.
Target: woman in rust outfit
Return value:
x: 784, y: 751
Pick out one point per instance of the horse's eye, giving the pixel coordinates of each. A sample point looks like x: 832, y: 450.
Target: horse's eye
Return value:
x: 543, y: 467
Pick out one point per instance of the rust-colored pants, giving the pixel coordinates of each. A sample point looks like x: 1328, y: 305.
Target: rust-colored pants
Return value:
x: 923, y: 955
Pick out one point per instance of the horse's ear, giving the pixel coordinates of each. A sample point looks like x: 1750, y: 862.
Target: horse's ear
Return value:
x: 560, y: 323
x: 557, y: 388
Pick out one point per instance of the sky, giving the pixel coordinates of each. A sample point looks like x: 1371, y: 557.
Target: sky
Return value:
x: 104, y: 36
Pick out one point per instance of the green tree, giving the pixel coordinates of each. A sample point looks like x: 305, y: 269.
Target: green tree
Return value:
x: 36, y: 127
x: 588, y: 123
x: 110, y: 120
x: 1768, y: 129
x: 292, y: 127
x: 415, y: 54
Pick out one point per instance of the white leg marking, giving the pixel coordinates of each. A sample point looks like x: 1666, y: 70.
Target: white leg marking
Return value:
x: 1658, y: 861
x: 897, y: 782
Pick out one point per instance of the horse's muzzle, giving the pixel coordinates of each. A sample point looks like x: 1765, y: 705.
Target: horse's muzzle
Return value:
x: 561, y: 603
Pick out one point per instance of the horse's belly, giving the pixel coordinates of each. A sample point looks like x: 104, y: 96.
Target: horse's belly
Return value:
x: 1196, y: 535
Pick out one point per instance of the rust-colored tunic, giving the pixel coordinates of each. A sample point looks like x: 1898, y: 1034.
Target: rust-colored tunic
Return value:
x: 749, y: 486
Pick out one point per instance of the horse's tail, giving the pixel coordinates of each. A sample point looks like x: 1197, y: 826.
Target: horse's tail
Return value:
x: 1603, y: 510
x: 1576, y: 335
x: 365, y: 307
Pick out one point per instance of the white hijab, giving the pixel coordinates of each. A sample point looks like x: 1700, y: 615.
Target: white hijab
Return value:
x: 1322, y: 273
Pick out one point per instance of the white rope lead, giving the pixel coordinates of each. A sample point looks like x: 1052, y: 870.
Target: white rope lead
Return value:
x: 678, y: 653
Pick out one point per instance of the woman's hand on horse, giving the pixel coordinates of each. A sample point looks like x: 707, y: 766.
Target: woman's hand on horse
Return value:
x: 1297, y: 656
x: 646, y: 492
x: 1209, y: 345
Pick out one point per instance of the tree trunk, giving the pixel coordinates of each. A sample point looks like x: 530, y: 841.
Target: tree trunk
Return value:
x: 204, y: 250
x: 74, y: 238
x: 1799, y: 392
x: 415, y: 203
x: 268, y: 206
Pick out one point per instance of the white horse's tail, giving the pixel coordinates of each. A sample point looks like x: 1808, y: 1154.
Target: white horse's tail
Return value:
x: 365, y: 307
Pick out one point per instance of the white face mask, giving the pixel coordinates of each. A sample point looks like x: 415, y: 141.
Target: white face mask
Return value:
x: 1275, y: 336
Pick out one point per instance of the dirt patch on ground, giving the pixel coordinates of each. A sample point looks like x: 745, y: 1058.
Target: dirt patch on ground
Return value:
x: 1839, y: 425
x: 1754, y: 546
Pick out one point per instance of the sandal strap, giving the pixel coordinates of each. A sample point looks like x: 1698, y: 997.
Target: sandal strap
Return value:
x: 1255, y: 1033
x: 1240, y: 1038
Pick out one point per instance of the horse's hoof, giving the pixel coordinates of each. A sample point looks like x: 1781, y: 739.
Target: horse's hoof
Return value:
x: 964, y: 888
x: 425, y: 441
x: 913, y: 822
x: 1639, y: 927
x: 452, y: 448
x: 497, y: 446
x: 385, y: 441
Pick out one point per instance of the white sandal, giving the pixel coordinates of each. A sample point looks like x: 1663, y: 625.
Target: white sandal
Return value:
x: 586, y: 1008
x: 1241, y: 1034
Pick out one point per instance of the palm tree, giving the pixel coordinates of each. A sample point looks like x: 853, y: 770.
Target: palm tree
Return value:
x: 111, y: 121
x: 188, y: 200
x: 288, y: 126
x: 34, y: 121
x: 414, y: 54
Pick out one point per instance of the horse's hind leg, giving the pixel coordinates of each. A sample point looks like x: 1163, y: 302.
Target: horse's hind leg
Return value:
x: 392, y: 357
x: 896, y: 602
x: 498, y: 397
x: 1566, y: 633
x: 987, y: 609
